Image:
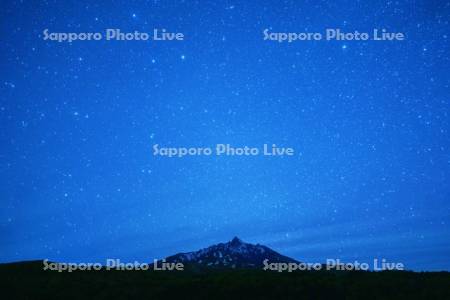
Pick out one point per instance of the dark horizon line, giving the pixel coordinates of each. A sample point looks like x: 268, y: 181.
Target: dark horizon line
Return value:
x: 2, y: 263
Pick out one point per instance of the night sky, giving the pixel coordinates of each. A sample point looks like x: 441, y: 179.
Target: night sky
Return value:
x: 369, y: 122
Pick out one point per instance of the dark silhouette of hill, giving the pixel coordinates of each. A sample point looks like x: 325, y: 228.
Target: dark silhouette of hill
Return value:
x: 28, y: 280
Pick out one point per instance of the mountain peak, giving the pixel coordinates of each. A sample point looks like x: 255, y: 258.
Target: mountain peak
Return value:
x: 236, y: 241
x: 233, y: 254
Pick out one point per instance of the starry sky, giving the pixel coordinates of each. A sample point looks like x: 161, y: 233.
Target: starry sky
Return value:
x: 369, y: 122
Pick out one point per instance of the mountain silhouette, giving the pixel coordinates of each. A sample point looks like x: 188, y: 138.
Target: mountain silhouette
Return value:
x: 233, y: 254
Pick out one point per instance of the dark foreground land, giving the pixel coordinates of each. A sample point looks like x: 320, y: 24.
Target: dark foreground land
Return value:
x: 28, y: 281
